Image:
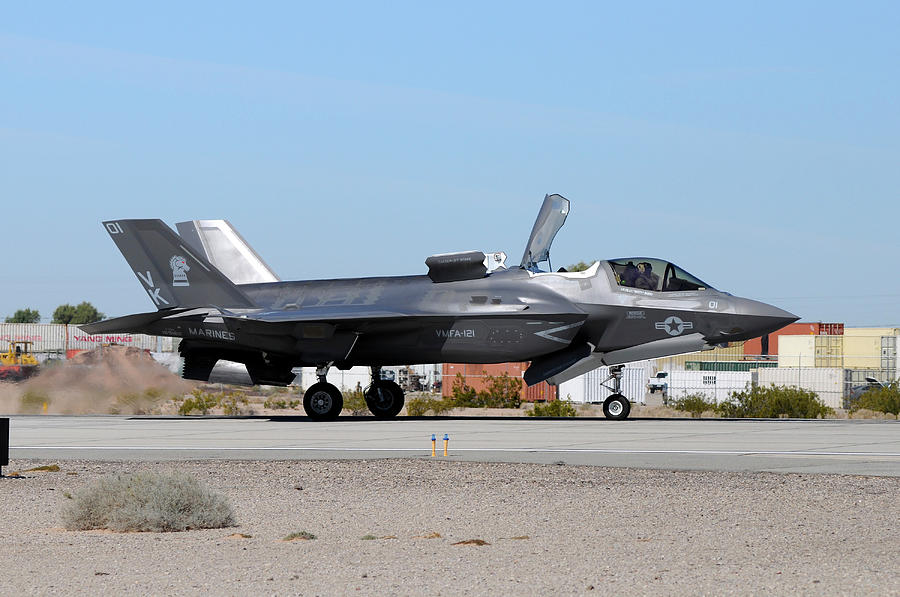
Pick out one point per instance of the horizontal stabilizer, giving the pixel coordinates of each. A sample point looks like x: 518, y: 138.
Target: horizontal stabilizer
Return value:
x: 130, y: 323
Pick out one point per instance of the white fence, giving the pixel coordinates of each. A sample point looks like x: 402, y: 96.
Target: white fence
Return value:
x: 715, y: 385
x: 827, y: 382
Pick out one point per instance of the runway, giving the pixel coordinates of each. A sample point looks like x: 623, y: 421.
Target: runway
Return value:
x: 799, y: 446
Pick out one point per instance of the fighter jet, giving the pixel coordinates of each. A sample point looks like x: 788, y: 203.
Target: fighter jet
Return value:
x: 212, y: 290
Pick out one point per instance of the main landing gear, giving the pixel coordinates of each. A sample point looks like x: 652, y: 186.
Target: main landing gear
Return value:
x: 323, y: 401
x: 383, y: 397
x: 616, y: 406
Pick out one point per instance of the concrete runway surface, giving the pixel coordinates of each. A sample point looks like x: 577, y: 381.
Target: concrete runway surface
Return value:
x: 862, y: 447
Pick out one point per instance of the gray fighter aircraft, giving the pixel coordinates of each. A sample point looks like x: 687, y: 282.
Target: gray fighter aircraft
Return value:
x: 215, y: 293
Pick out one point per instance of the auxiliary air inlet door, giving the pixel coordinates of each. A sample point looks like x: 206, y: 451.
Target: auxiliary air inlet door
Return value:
x: 549, y: 220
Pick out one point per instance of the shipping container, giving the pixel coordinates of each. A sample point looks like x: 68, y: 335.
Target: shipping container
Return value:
x: 872, y: 331
x: 769, y: 344
x: 60, y: 338
x: 476, y: 374
x: 797, y: 351
x: 863, y: 352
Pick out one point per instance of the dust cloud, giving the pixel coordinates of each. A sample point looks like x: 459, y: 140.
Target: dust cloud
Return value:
x: 106, y: 380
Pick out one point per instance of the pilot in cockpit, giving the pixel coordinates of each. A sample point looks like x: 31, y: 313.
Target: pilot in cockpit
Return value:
x: 646, y: 279
x: 629, y: 275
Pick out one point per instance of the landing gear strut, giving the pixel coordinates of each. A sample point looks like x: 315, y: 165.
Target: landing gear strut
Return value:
x: 616, y: 406
x: 383, y: 397
x: 323, y: 401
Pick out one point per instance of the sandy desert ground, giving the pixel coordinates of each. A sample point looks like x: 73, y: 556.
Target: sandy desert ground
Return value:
x: 548, y: 529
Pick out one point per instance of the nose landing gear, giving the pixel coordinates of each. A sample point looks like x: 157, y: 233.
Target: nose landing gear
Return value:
x: 616, y: 407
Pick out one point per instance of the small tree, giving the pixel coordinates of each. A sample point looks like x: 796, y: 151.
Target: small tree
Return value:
x: 25, y: 316
x: 578, y: 267
x: 84, y: 312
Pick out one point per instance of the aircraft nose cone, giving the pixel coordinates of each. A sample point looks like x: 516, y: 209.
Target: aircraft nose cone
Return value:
x: 763, y: 318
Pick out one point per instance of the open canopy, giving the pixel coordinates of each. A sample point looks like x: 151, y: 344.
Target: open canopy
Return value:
x: 654, y: 274
x: 549, y: 220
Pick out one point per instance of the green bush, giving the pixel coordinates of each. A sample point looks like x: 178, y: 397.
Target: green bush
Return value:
x: 355, y: 401
x: 200, y: 401
x: 885, y: 400
x: 233, y: 403
x: 419, y: 407
x: 554, y: 408
x: 501, y: 391
x: 274, y: 403
x: 463, y: 394
x: 147, y: 501
x: 696, y: 404
x: 774, y: 402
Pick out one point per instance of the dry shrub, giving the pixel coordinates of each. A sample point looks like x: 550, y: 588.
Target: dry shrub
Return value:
x: 420, y: 406
x: 866, y: 413
x: 147, y: 501
x: 554, y: 408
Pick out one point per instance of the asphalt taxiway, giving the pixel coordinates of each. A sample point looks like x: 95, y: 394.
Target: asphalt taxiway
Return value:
x: 829, y: 446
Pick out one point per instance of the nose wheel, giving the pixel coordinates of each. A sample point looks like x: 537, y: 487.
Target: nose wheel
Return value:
x: 616, y: 407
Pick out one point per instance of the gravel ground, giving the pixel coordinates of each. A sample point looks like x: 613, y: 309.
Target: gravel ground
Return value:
x: 550, y: 529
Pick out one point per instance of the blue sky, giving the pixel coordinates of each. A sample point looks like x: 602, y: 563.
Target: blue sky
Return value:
x: 757, y: 145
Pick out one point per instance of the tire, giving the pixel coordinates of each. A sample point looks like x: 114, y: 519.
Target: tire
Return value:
x: 616, y: 407
x: 323, y: 402
x: 385, y: 399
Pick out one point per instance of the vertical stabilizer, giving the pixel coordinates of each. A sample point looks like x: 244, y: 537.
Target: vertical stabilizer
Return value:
x: 225, y: 248
x: 172, y: 273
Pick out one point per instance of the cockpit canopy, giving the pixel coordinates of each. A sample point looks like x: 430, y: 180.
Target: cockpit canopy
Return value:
x: 654, y: 274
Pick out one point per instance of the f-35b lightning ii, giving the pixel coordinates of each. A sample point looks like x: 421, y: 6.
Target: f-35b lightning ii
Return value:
x: 215, y: 293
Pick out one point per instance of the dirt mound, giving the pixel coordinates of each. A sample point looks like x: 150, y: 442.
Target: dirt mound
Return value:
x: 106, y: 380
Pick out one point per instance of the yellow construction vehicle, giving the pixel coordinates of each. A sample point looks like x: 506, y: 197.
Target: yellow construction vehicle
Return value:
x: 18, y: 362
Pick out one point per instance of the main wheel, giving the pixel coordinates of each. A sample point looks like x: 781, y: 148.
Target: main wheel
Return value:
x: 323, y: 402
x: 616, y: 407
x: 384, y: 399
